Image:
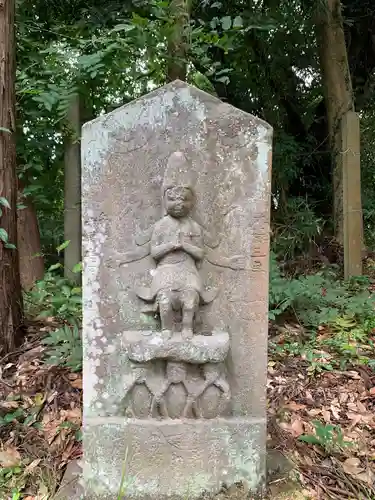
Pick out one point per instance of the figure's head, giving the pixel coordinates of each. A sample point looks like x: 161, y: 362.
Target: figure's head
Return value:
x: 140, y: 371
x: 178, y: 186
x: 176, y: 372
x: 211, y: 370
x: 178, y: 201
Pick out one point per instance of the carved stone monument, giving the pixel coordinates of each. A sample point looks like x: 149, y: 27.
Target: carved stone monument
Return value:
x: 176, y: 190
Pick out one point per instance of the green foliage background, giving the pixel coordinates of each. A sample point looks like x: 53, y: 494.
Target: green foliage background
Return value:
x: 261, y: 57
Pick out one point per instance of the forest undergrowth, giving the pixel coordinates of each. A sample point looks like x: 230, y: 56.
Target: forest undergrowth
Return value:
x: 321, y: 386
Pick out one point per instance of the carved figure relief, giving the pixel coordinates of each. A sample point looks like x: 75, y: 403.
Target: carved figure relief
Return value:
x: 178, y: 390
x: 178, y: 245
x: 142, y: 396
x: 170, y: 378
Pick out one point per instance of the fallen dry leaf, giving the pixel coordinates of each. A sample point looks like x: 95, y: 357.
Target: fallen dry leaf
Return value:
x: 326, y: 415
x: 77, y: 384
x: 74, y: 415
x: 353, y: 374
x: 344, y: 396
x: 361, y: 407
x: 356, y: 417
x: 367, y: 477
x: 9, y: 405
x: 32, y: 466
x: 335, y: 413
x: 314, y: 412
x: 294, y: 406
x: 50, y: 425
x: 309, y: 397
x: 352, y: 465
x: 10, y: 457
x: 295, y: 428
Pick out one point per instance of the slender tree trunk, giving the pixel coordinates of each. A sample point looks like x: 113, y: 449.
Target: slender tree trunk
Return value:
x: 338, y: 91
x: 72, y: 217
x: 179, y: 39
x: 10, y: 288
x: 28, y: 244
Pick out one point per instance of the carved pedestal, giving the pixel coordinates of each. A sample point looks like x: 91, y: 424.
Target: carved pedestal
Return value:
x: 177, y: 378
x: 175, y: 421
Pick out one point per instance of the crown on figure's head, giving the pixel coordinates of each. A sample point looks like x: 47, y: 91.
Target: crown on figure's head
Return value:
x: 178, y: 173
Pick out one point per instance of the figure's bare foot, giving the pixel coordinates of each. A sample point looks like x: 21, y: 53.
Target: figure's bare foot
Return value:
x: 187, y: 333
x: 166, y: 334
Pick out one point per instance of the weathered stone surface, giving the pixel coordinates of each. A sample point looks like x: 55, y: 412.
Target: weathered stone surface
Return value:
x: 72, y: 484
x: 173, y: 460
x: 200, y: 349
x: 195, y: 252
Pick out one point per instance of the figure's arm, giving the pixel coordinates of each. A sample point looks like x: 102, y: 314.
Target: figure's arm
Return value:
x: 135, y: 255
x: 211, y: 240
x: 236, y: 262
x: 118, y: 259
x: 144, y: 237
x: 195, y: 248
x: 158, y: 251
x: 196, y: 252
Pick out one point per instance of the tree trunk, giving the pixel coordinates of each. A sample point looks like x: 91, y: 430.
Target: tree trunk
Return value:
x: 28, y: 244
x: 338, y: 91
x: 72, y: 213
x: 10, y: 287
x: 179, y: 39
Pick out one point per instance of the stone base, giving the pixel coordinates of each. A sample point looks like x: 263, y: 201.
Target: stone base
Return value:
x: 174, y: 459
x: 71, y: 486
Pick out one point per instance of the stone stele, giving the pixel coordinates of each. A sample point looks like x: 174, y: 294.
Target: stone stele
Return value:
x: 176, y: 206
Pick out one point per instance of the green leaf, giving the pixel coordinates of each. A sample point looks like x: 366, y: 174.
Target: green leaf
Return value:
x: 3, y: 235
x: 29, y: 420
x: 10, y: 246
x: 9, y: 417
x: 54, y: 267
x: 223, y: 79
x: 4, y: 129
x: 75, y: 299
x: 237, y: 22
x: 62, y: 246
x: 123, y: 27
x: 226, y: 23
x: 4, y: 202
x: 308, y: 438
x: 77, y: 268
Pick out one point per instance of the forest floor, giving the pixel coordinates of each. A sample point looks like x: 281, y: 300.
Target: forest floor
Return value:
x: 322, y: 421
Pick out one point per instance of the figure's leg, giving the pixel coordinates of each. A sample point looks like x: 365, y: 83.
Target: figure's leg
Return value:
x: 158, y: 400
x: 188, y: 407
x: 163, y: 408
x: 190, y: 302
x: 164, y: 299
